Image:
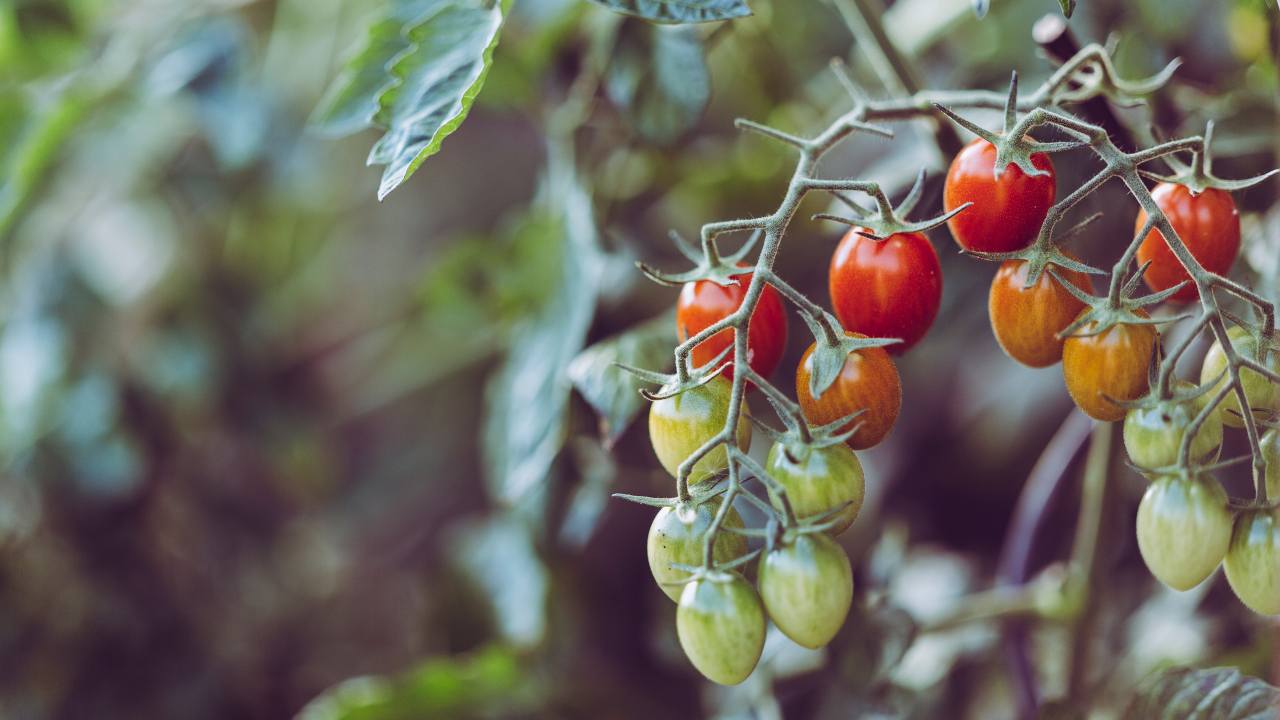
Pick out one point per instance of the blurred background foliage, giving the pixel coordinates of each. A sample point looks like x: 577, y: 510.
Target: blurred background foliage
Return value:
x: 263, y: 434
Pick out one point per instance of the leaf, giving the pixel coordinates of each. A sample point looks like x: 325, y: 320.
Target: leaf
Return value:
x: 658, y: 78
x: 499, y: 557
x: 679, y: 11
x: 613, y: 393
x: 416, y: 76
x: 1068, y: 7
x: 1212, y: 694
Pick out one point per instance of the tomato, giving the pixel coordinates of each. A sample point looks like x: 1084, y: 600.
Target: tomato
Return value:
x: 1184, y: 529
x: 819, y: 480
x: 1112, y: 363
x: 1261, y: 392
x: 868, y: 380
x: 1007, y: 213
x: 681, y: 424
x: 890, y: 288
x: 807, y: 588
x: 1208, y: 225
x: 1026, y: 322
x: 703, y: 303
x: 1152, y: 435
x: 721, y: 626
x: 1253, y: 561
x: 1270, y: 442
x: 676, y: 536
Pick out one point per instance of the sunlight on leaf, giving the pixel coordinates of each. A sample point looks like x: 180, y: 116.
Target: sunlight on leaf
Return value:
x: 679, y: 11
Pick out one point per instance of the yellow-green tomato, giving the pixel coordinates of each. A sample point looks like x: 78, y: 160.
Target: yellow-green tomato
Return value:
x: 1253, y: 561
x: 1260, y: 391
x: 1270, y: 442
x: 1184, y: 528
x: 681, y: 424
x: 721, y: 626
x: 1153, y: 434
x: 676, y: 536
x: 818, y: 480
x: 807, y: 586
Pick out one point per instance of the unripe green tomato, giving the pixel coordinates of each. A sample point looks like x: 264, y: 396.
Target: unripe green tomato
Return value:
x: 819, y: 480
x: 1260, y: 391
x: 1184, y: 528
x: 807, y: 587
x: 1153, y: 434
x: 676, y: 537
x: 1253, y: 561
x: 721, y: 626
x: 680, y: 425
x: 1270, y: 443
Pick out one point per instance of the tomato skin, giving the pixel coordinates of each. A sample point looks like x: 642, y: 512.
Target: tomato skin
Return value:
x: 1112, y: 363
x: 1007, y: 213
x: 1026, y: 322
x: 1184, y: 529
x: 1153, y: 434
x: 1262, y: 393
x: 868, y: 380
x: 807, y: 588
x: 703, y: 302
x: 1252, y: 564
x: 890, y: 288
x: 676, y: 537
x: 721, y: 626
x: 1208, y: 224
x: 820, y: 480
x: 681, y: 424
x: 1270, y: 442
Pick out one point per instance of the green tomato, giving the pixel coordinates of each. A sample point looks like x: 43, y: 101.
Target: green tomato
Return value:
x: 1260, y: 391
x: 807, y: 587
x: 1253, y: 562
x: 676, y: 537
x: 1270, y: 442
x: 819, y: 480
x: 1153, y: 434
x: 1184, y: 528
x: 721, y: 626
x: 680, y: 425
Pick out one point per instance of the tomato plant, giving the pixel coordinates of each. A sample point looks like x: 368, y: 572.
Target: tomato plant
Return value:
x: 1026, y: 320
x: 868, y: 381
x: 1154, y: 432
x: 1110, y: 365
x: 886, y: 288
x: 806, y: 584
x: 1252, y: 564
x: 1262, y: 393
x: 676, y: 536
x: 819, y: 480
x: 681, y: 424
x: 705, y: 302
x: 1184, y: 529
x: 720, y: 623
x: 1007, y: 211
x: 1208, y: 225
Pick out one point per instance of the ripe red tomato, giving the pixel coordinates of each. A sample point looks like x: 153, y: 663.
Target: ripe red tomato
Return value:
x: 889, y: 288
x: 1208, y: 225
x: 704, y: 302
x: 1007, y: 213
x: 1112, y: 363
x: 1026, y: 321
x: 869, y: 380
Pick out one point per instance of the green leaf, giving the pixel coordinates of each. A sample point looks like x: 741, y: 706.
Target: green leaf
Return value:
x: 417, y: 76
x: 679, y: 11
x: 613, y: 393
x: 1212, y: 694
x: 658, y: 77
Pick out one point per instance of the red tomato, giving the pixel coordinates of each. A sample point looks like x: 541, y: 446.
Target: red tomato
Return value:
x: 1007, y: 213
x: 704, y: 302
x: 1208, y: 225
x: 868, y: 380
x: 889, y: 288
x: 1026, y: 321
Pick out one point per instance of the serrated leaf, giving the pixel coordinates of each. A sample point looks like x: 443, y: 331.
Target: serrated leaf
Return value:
x: 612, y: 392
x: 658, y: 78
x: 1211, y: 694
x: 679, y: 11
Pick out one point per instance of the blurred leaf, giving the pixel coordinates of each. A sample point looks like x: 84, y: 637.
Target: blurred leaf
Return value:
x: 498, y: 554
x: 874, y: 640
x: 419, y: 72
x: 528, y: 398
x: 658, y: 77
x: 679, y: 11
x: 615, y: 394
x: 1215, y: 693
x: 486, y: 683
x: 597, y: 470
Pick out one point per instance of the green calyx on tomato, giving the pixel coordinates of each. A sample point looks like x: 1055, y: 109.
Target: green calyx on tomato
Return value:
x: 721, y: 626
x: 806, y: 583
x: 1154, y: 429
x: 1262, y: 393
x: 1252, y: 564
x: 822, y: 483
x: 676, y: 538
x: 1184, y: 528
x: 682, y: 423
